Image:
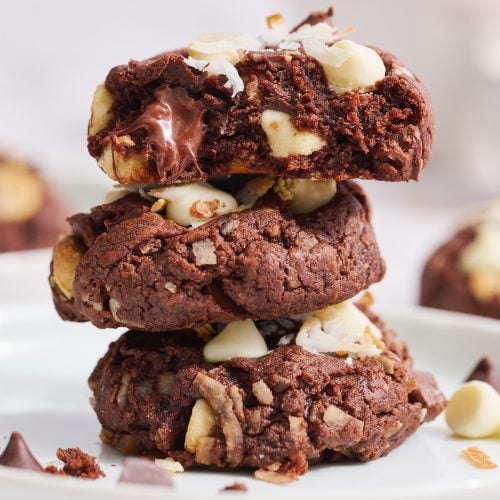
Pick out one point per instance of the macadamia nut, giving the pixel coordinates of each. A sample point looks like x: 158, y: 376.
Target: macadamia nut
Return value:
x: 100, y: 113
x: 194, y: 203
x: 67, y: 254
x: 284, y: 139
x: 237, y: 339
x: 305, y: 195
x: 341, y: 328
x: 201, y: 424
x: 347, y: 65
x: 474, y: 410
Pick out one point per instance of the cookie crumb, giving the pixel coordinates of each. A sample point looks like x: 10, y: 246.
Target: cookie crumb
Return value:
x: 478, y: 458
x: 236, y: 486
x: 76, y: 464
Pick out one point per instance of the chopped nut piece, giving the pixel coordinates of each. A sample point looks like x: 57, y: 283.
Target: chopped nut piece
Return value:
x: 128, y: 444
x: 262, y: 392
x: 284, y: 139
x: 205, y: 332
x: 169, y: 465
x: 171, y: 287
x: 298, y: 428
x: 275, y: 477
x: 366, y: 300
x: 276, y: 21
x: 204, y: 450
x: 201, y: 424
x: 194, y: 203
x: 158, y: 205
x: 129, y: 168
x: 337, y: 419
x: 204, y: 253
x: 388, y: 363
x: 238, y: 407
x: 214, y: 392
x: 67, y: 254
x: 478, y: 458
x: 122, y: 394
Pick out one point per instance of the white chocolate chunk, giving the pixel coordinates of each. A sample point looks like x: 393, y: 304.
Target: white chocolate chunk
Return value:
x: 194, y: 203
x: 227, y: 47
x: 474, y: 410
x: 480, y: 260
x: 201, y: 424
x: 341, y: 328
x: 284, y: 139
x: 237, y: 339
x: 100, y: 112
x: 305, y: 195
x: 347, y: 65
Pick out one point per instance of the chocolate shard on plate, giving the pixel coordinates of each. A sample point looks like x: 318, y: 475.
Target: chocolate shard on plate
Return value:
x: 487, y: 372
x: 17, y: 454
x: 427, y: 392
x: 143, y: 471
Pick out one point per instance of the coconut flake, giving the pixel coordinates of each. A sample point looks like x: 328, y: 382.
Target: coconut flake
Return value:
x: 219, y: 67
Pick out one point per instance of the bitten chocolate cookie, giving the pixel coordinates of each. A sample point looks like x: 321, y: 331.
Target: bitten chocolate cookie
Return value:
x: 131, y: 266
x: 30, y: 217
x: 277, y: 411
x: 302, y: 103
x: 464, y: 273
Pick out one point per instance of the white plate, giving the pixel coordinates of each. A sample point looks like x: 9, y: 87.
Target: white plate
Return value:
x: 44, y: 364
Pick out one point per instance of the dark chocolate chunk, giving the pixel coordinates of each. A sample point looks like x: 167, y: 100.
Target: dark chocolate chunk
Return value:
x: 427, y: 393
x: 487, y: 372
x: 18, y: 455
x: 143, y: 471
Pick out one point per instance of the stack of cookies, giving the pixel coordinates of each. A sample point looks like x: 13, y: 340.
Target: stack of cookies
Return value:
x: 234, y: 244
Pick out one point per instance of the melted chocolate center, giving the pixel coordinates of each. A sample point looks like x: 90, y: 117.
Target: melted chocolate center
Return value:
x: 174, y: 125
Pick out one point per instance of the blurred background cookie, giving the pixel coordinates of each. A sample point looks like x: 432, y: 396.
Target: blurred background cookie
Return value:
x: 463, y: 274
x: 30, y: 215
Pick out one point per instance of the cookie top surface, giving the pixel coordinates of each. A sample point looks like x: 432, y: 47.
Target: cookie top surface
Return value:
x: 290, y: 405
x: 134, y: 267
x: 302, y: 103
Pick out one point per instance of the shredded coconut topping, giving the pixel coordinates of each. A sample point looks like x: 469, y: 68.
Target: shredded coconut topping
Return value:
x: 219, y: 67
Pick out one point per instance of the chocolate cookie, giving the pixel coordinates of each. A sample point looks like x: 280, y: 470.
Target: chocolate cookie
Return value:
x: 30, y: 217
x: 279, y: 412
x: 135, y: 268
x: 459, y: 275
x: 303, y: 103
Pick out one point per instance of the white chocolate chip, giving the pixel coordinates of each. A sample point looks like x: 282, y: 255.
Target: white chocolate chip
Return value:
x: 227, y: 47
x: 474, y: 410
x: 262, y: 392
x: 347, y: 65
x: 194, y: 203
x: 115, y: 195
x: 480, y: 260
x: 337, y: 419
x: 201, y: 424
x: 305, y: 195
x: 341, y: 328
x: 100, y: 113
x: 171, y: 287
x: 237, y: 339
x: 284, y: 139
x: 204, y: 253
